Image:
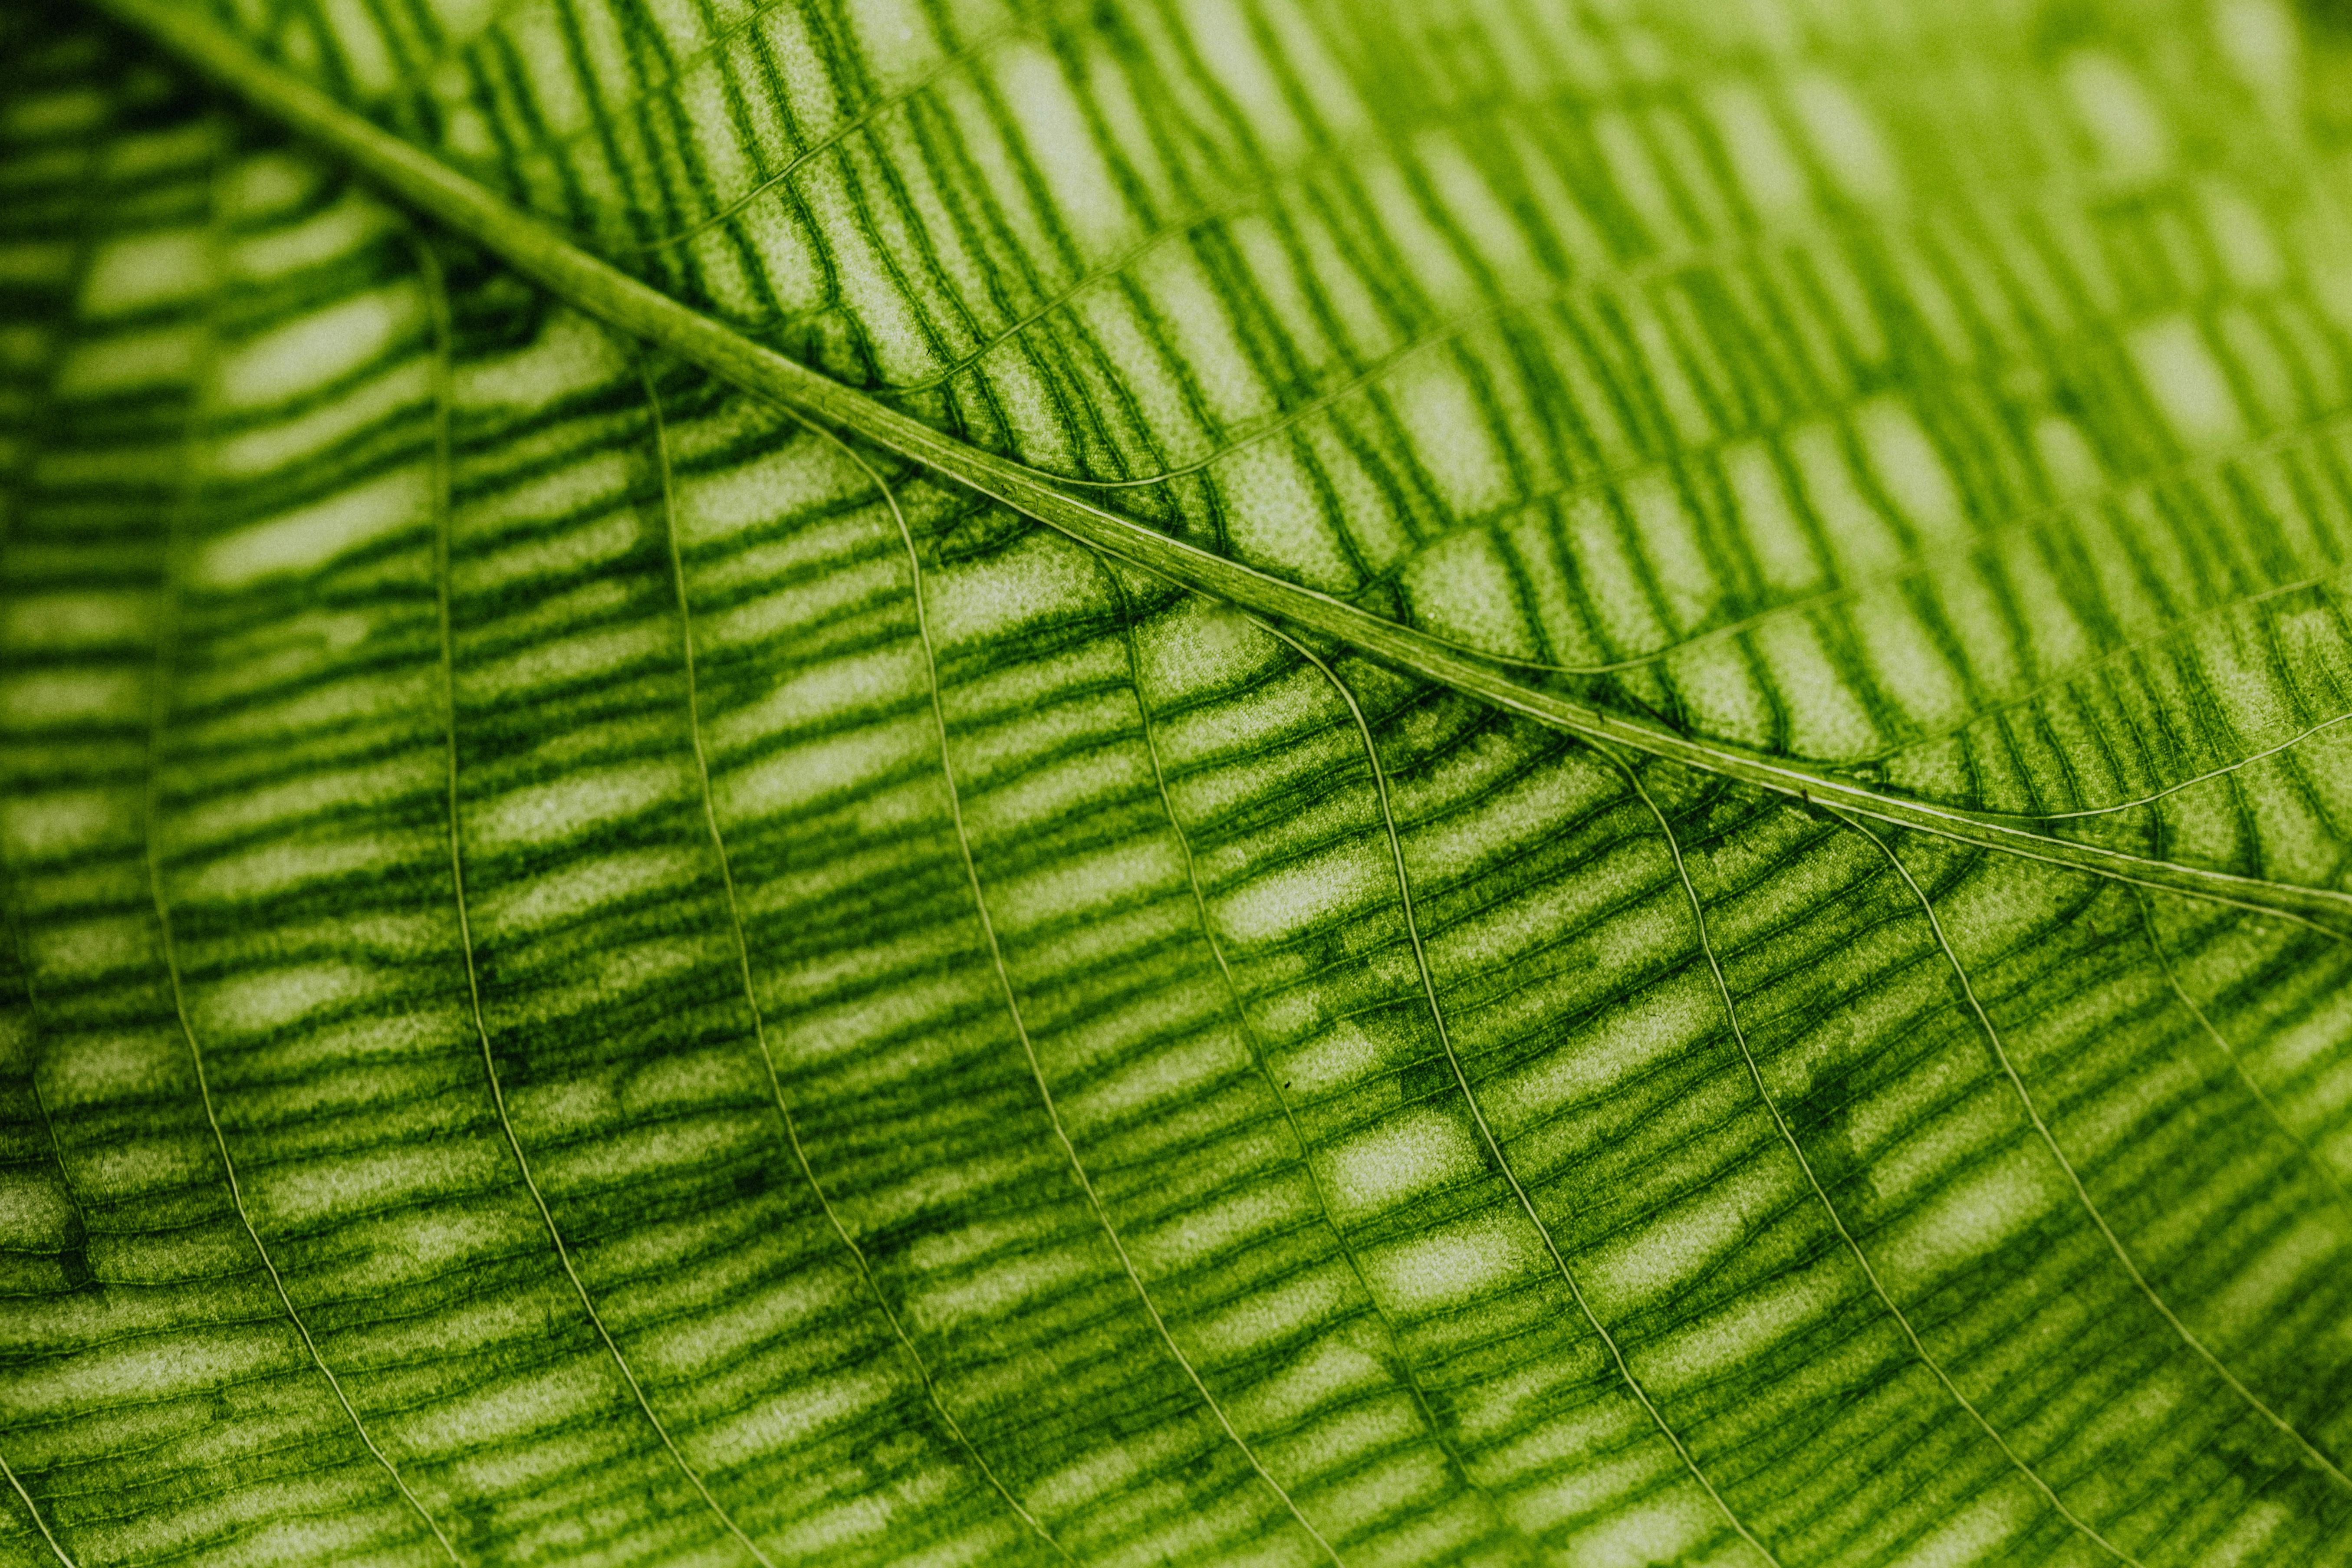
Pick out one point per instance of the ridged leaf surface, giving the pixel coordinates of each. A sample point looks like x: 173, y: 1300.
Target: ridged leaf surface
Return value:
x: 605, y: 969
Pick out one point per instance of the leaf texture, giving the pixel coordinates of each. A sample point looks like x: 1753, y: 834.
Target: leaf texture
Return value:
x: 1630, y: 852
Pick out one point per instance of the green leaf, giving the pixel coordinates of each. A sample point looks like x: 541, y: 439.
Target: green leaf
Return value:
x: 1231, y: 782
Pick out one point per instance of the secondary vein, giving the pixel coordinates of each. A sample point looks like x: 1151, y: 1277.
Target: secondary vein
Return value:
x: 2081, y: 1192
x: 1479, y: 1112
x: 790, y: 1126
x: 1445, y: 1445
x: 1821, y: 1192
x: 448, y: 692
x: 151, y: 800
x: 1029, y: 1047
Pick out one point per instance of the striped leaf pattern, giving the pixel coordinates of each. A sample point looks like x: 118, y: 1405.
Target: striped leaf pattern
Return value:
x: 601, y: 971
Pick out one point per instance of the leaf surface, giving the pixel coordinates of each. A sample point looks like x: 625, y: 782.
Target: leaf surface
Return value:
x: 1256, y: 782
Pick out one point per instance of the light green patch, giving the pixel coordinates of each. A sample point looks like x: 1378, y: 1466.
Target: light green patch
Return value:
x: 1783, y: 552
x: 286, y: 362
x: 602, y: 655
x: 1661, y: 1023
x: 323, y: 1190
x: 54, y: 113
x: 1770, y: 176
x: 280, y: 443
x: 1449, y: 1268
x: 771, y: 486
x: 1977, y: 1534
x: 998, y: 1288
x: 1077, y: 178
x: 1340, y: 1055
x: 1845, y: 138
x: 1222, y: 1227
x: 1717, y: 1345
x: 1185, y: 308
x: 564, y: 895
x: 1668, y: 1530
x: 272, y: 999
x: 2113, y: 106
x: 1657, y: 1259
x: 1965, y: 1221
x: 1614, y: 580
x: 1088, y: 887
x: 147, y: 272
x: 35, y: 1213
x: 317, y: 536
x: 1411, y: 1154
x: 1260, y: 1324
x: 2186, y: 383
x: 1825, y: 717
x: 1305, y: 894
x: 151, y: 1370
x: 1449, y: 432
x: 278, y: 867
x: 2281, y: 1267
x: 1005, y: 596
x: 540, y: 814
x: 55, y: 823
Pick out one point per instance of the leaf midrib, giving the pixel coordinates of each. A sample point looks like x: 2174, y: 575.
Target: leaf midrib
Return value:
x: 600, y: 290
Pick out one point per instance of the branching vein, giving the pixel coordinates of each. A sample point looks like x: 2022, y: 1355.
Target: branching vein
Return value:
x: 784, y: 1117
x: 1029, y: 1048
x: 160, y: 700
x: 2319, y: 1167
x: 39, y: 1523
x: 2081, y: 1192
x: 1788, y: 1137
x: 435, y: 289
x: 1477, y: 1111
x: 1445, y: 1445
